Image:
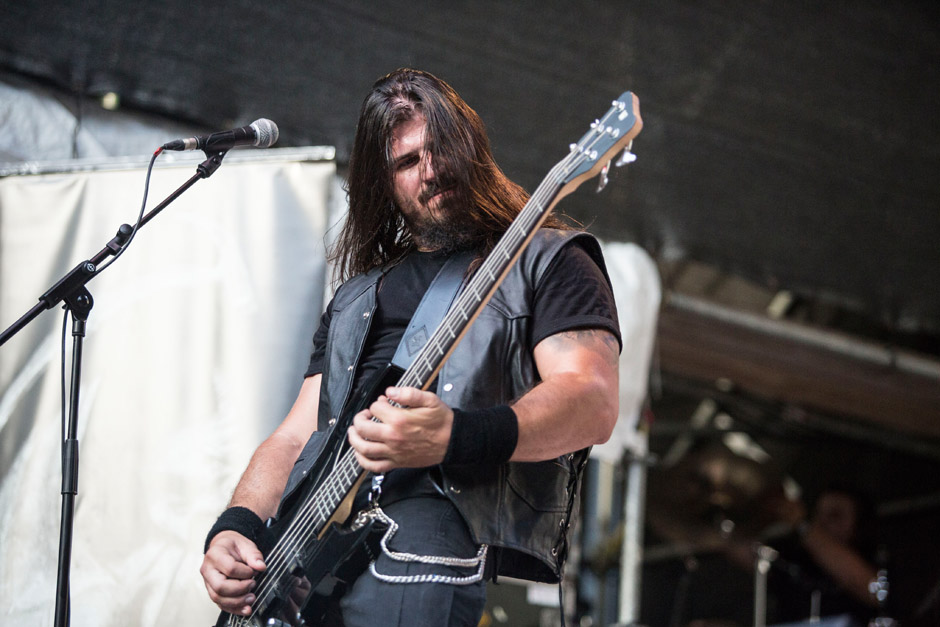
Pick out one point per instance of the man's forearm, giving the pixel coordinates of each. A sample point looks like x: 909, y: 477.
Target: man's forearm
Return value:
x: 842, y: 563
x: 263, y: 482
x: 565, y: 414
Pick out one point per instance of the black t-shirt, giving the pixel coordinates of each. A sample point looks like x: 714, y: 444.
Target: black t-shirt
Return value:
x: 572, y: 294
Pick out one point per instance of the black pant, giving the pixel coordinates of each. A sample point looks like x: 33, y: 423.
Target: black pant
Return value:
x: 427, y: 526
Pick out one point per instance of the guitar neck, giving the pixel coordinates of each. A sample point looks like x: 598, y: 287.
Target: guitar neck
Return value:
x: 442, y: 342
x: 590, y: 155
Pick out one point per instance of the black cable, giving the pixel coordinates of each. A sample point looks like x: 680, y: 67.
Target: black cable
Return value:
x: 143, y: 206
x: 140, y: 216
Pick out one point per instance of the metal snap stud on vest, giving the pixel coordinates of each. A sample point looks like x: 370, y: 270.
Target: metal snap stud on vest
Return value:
x: 455, y: 489
x: 365, y: 315
x: 349, y: 369
x: 331, y: 421
x: 448, y: 387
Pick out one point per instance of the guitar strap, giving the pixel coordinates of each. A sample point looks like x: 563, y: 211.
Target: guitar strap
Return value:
x: 432, y: 308
x: 427, y: 317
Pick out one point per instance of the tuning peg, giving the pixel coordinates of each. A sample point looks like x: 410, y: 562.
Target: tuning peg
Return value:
x: 602, y: 179
x: 626, y: 157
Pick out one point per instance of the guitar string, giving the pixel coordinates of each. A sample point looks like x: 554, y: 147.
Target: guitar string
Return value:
x: 307, y: 521
x: 312, y: 514
x: 307, y: 518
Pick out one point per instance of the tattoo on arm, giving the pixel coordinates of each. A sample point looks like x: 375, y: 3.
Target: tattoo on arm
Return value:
x: 599, y: 340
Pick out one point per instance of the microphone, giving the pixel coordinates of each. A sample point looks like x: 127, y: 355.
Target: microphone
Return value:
x: 261, y: 133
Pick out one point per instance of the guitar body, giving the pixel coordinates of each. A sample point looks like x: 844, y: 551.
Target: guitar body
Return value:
x: 319, y: 566
x: 323, y: 571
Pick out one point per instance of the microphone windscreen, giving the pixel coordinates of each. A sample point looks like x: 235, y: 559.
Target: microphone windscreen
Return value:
x: 265, y: 132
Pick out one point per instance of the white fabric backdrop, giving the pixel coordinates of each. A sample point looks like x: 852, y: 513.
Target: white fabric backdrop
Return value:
x: 194, y: 351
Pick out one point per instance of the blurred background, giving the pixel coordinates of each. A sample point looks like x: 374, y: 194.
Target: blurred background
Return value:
x: 781, y: 225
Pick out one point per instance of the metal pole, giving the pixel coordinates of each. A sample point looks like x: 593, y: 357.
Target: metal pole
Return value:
x: 631, y: 551
x: 765, y: 555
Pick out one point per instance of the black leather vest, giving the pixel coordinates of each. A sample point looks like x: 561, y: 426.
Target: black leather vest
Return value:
x: 522, y: 510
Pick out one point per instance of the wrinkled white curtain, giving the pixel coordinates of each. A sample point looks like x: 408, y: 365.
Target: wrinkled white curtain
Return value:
x: 195, y: 349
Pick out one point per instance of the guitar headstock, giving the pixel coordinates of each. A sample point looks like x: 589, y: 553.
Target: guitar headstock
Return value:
x: 609, y: 135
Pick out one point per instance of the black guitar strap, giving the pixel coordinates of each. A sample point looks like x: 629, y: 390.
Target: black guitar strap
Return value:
x: 432, y: 308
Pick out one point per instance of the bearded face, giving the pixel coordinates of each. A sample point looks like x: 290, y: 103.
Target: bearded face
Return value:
x: 427, y: 199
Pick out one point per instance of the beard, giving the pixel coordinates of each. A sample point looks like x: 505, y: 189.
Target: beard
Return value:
x: 450, y: 227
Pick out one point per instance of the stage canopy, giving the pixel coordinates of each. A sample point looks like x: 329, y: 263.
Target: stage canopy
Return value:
x: 795, y: 146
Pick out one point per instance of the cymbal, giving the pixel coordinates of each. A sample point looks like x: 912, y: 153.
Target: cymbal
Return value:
x: 710, y: 497
x: 713, y: 494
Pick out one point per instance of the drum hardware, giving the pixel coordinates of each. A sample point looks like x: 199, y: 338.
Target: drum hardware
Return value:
x: 764, y: 557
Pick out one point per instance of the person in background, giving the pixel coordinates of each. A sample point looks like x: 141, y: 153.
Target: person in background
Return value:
x: 826, y: 566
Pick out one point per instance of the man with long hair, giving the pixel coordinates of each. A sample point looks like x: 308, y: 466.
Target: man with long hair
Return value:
x: 480, y: 470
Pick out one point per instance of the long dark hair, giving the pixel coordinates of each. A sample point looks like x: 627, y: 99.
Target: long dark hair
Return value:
x: 374, y: 233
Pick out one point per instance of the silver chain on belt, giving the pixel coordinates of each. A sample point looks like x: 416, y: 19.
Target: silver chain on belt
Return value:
x: 479, y: 561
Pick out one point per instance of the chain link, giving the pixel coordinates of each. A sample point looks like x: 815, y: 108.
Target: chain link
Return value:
x: 479, y: 561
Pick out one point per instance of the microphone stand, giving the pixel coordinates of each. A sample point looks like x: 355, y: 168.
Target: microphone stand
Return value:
x: 71, y: 289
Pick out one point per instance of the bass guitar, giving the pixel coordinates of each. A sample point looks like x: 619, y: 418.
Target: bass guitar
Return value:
x: 312, y: 536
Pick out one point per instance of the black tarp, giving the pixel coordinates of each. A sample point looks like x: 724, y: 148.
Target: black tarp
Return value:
x: 795, y: 144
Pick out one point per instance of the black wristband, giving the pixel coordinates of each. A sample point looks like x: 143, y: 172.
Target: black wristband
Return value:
x: 245, y: 522
x: 483, y: 436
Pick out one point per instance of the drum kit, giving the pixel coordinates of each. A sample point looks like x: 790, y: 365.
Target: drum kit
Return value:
x: 727, y: 497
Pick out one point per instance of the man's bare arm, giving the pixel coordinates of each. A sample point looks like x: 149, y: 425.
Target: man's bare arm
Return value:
x: 263, y: 482
x: 232, y: 559
x: 577, y: 403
